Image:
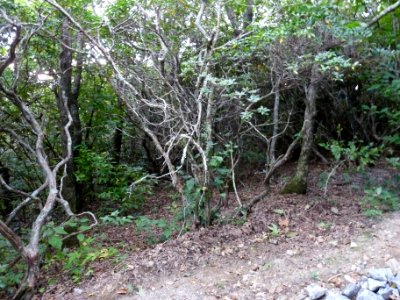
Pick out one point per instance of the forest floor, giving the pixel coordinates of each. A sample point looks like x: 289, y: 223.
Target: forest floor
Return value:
x: 316, y: 238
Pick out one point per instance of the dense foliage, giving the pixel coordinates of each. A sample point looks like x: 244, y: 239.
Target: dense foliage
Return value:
x: 101, y: 101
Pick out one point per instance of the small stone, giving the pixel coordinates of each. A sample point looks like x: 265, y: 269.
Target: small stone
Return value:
x: 394, y: 265
x: 351, y: 290
x: 350, y: 279
x: 335, y: 211
x: 395, y: 295
x: 331, y: 296
x: 315, y: 291
x: 77, y: 291
x: 353, y: 245
x: 374, y: 285
x: 384, y: 274
x: 368, y: 295
x: 385, y: 292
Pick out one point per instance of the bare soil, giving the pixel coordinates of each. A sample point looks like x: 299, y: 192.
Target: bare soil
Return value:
x: 317, y: 238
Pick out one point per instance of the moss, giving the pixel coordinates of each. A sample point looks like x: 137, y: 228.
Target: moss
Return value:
x: 296, y: 185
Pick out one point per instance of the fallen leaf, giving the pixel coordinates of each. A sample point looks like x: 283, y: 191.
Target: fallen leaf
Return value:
x: 283, y: 222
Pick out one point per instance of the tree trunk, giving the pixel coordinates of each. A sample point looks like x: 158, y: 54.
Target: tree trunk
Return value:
x: 27, y: 288
x: 272, y: 148
x: 117, y: 144
x: 298, y: 184
x: 68, y: 91
x: 4, y: 193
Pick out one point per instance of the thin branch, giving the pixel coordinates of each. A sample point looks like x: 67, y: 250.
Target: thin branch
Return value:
x: 383, y: 13
x: 32, y: 196
x: 12, y: 237
x: 13, y: 46
x: 198, y: 21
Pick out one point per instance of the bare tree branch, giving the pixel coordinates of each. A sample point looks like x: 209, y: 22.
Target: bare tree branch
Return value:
x: 383, y: 13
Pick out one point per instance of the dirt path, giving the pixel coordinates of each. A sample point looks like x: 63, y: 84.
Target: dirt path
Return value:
x: 256, y: 268
x: 318, y: 239
x: 270, y: 275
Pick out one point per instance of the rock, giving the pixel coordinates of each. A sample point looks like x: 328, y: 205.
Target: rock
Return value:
x: 353, y: 245
x: 386, y: 292
x: 396, y: 294
x: 351, y: 290
x: 350, y: 279
x: 77, y: 291
x: 385, y: 274
x: 396, y: 281
x: 368, y: 295
x: 315, y: 291
x: 374, y: 285
x: 364, y: 282
x: 335, y: 211
x: 394, y: 265
x: 331, y: 296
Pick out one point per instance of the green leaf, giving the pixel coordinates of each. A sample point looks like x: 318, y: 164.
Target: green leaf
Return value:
x: 84, y: 228
x: 279, y: 211
x: 215, y: 161
x: 60, y: 230
x: 379, y: 190
x: 353, y: 25
x: 80, y: 237
x: 55, y: 241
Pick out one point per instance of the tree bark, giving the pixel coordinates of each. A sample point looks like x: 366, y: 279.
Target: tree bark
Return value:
x: 275, y: 130
x: 298, y: 184
x: 68, y: 91
x: 5, y: 194
x: 117, y: 144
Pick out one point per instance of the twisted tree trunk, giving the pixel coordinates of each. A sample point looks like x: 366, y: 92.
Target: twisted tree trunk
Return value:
x: 298, y: 183
x: 69, y: 90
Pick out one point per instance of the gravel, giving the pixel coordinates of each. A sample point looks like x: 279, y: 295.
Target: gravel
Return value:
x: 377, y: 284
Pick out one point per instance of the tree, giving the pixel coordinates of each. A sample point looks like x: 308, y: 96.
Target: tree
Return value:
x: 50, y: 188
x: 68, y: 91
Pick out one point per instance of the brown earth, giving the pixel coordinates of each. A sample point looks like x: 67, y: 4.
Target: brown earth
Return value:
x: 286, y: 243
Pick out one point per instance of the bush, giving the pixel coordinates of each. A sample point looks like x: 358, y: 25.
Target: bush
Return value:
x: 113, y: 183
x: 385, y: 197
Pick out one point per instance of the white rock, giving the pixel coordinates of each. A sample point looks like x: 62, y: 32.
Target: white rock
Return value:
x: 394, y: 265
x: 77, y: 291
x: 368, y: 295
x: 383, y: 274
x: 374, y: 285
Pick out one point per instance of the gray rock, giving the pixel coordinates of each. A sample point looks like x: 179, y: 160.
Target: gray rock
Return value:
x: 315, y: 291
x: 396, y: 281
x: 351, y: 290
x: 384, y: 274
x: 374, y: 285
x: 368, y: 295
x: 364, y: 282
x: 396, y: 294
x: 386, y: 292
x: 331, y: 296
x: 394, y: 265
